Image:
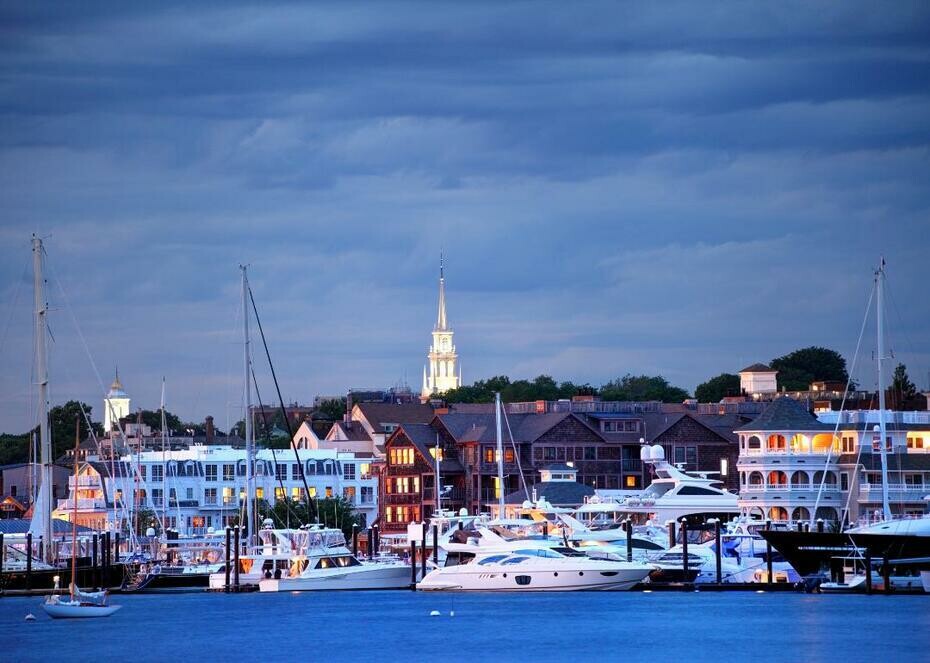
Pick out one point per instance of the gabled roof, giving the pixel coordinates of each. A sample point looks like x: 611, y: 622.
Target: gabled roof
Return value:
x: 354, y: 431
x: 21, y: 526
x: 423, y: 437
x: 758, y: 368
x: 482, y: 427
x: 785, y: 414
x: 378, y: 414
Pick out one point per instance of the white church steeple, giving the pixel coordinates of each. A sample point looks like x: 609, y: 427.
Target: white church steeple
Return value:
x: 441, y: 373
x: 115, y: 405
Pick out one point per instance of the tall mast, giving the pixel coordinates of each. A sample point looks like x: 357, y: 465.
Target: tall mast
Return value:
x: 250, y: 515
x: 880, y: 284
x: 74, y: 498
x: 500, y: 457
x: 164, y: 462
x: 42, y: 508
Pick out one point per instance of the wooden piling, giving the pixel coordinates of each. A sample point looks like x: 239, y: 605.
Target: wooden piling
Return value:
x: 116, y: 548
x: 228, y: 538
x: 671, y: 533
x: 354, y: 540
x: 371, y: 543
x: 95, y: 572
x: 684, y: 550
x: 436, y: 545
x: 629, y: 539
x: 28, y: 560
x: 413, y: 565
x: 868, y: 570
x: 886, y: 574
x: 236, y: 567
x: 719, y: 551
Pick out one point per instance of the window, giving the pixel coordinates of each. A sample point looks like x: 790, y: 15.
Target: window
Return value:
x: 844, y: 481
x: 259, y: 493
x: 348, y: 471
x: 401, y: 456
x: 549, y: 453
x: 157, y: 496
x: 348, y: 494
x: 691, y: 457
x: 312, y: 491
x: 211, y: 472
x: 209, y: 495
x: 848, y: 444
x: 365, y: 469
x: 433, y: 451
x: 509, y: 456
x: 119, y: 495
x: 158, y: 472
x: 142, y: 472
x: 631, y: 481
x: 295, y: 471
x: 679, y: 455
x: 297, y: 494
x: 696, y: 490
x: 329, y: 492
x: 280, y: 471
x: 368, y: 495
x: 590, y: 453
x: 490, y: 456
x: 630, y: 426
x: 279, y: 494
x: 228, y: 496
x: 229, y: 472
x: 190, y: 493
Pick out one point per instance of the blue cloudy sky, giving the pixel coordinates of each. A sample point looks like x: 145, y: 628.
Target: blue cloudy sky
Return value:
x: 669, y: 188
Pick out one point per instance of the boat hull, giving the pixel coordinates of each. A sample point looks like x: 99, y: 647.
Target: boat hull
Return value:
x: 67, y: 611
x: 393, y: 576
x: 464, y: 579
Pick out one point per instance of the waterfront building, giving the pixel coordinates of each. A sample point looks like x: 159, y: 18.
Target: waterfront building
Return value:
x: 200, y: 487
x: 115, y: 405
x: 788, y: 457
x: 557, y: 487
x: 18, y: 485
x: 442, y: 371
x: 758, y: 380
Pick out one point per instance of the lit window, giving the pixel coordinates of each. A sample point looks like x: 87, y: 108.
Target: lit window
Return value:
x: 259, y: 493
x: 630, y: 481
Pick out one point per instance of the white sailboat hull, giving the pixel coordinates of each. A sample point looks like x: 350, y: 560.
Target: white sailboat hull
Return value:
x: 365, y: 576
x: 66, y: 610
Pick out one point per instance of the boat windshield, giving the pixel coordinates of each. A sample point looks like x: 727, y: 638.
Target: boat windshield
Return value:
x: 538, y: 552
x: 658, y: 488
x: 493, y: 559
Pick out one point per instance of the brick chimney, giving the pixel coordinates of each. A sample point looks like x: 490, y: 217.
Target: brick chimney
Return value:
x: 208, y: 426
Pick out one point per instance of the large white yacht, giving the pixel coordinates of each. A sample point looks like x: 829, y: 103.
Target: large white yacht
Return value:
x: 326, y: 564
x: 536, y: 569
x: 278, y: 551
x: 674, y: 495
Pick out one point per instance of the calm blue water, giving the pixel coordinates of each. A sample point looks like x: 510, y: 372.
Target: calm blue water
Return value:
x: 389, y: 626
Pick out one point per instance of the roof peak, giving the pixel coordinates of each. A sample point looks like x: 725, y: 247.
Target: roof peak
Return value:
x: 441, y: 322
x: 758, y: 368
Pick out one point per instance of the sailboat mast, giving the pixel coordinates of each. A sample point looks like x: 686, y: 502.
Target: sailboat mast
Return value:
x: 74, y: 498
x: 164, y: 462
x: 45, y: 444
x: 250, y: 515
x: 880, y: 284
x: 500, y: 457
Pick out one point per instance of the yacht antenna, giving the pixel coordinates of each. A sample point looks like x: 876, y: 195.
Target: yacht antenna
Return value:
x: 880, y: 283
x: 500, y: 457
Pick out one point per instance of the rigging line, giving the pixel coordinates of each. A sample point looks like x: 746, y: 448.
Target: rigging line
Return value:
x: 93, y: 365
x: 311, y: 507
x: 267, y: 436
x: 516, y: 453
x: 9, y: 320
x: 849, y: 379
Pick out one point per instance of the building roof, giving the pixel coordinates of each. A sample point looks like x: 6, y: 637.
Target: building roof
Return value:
x: 354, y: 431
x: 559, y: 467
x: 423, y: 437
x: 21, y: 526
x: 482, y: 427
x: 758, y: 368
x: 379, y: 414
x: 556, y: 493
x: 785, y: 414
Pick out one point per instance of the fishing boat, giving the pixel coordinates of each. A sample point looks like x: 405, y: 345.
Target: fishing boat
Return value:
x: 80, y: 604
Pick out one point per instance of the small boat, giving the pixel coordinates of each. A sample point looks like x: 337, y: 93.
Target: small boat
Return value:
x: 79, y: 604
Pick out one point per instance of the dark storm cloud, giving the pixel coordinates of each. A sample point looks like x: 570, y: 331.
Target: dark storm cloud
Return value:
x: 649, y: 187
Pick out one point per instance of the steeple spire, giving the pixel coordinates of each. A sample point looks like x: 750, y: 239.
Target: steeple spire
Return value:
x: 441, y: 324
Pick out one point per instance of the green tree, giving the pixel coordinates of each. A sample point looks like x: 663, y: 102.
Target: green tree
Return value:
x: 143, y: 518
x: 152, y: 419
x: 901, y: 384
x: 642, y: 388
x: 14, y: 448
x: 717, y: 388
x: 331, y: 409
x: 330, y: 512
x: 540, y: 388
x: 61, y: 419
x: 798, y: 369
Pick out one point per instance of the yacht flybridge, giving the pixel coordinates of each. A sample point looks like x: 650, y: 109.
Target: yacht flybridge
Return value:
x: 674, y: 495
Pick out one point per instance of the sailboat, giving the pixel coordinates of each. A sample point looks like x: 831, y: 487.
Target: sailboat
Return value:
x: 79, y: 604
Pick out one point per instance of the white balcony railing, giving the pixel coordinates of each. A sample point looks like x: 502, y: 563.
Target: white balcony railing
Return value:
x: 784, y: 487
x: 82, y: 504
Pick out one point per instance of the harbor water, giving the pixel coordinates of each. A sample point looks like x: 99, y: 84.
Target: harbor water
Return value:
x: 398, y: 626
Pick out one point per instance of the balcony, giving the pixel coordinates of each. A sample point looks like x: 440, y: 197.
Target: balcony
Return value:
x: 89, y: 504
x: 84, y: 482
x: 788, y: 487
x: 897, y: 492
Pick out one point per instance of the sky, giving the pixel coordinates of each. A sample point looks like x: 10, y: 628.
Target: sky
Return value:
x: 663, y: 188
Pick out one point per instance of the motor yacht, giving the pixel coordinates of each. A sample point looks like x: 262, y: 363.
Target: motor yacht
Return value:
x: 326, y: 564
x: 535, y: 569
x: 277, y: 552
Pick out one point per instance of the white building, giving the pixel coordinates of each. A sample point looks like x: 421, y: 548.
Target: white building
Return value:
x: 115, y: 405
x: 788, y: 457
x: 442, y: 373
x: 201, y: 487
x: 757, y: 380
